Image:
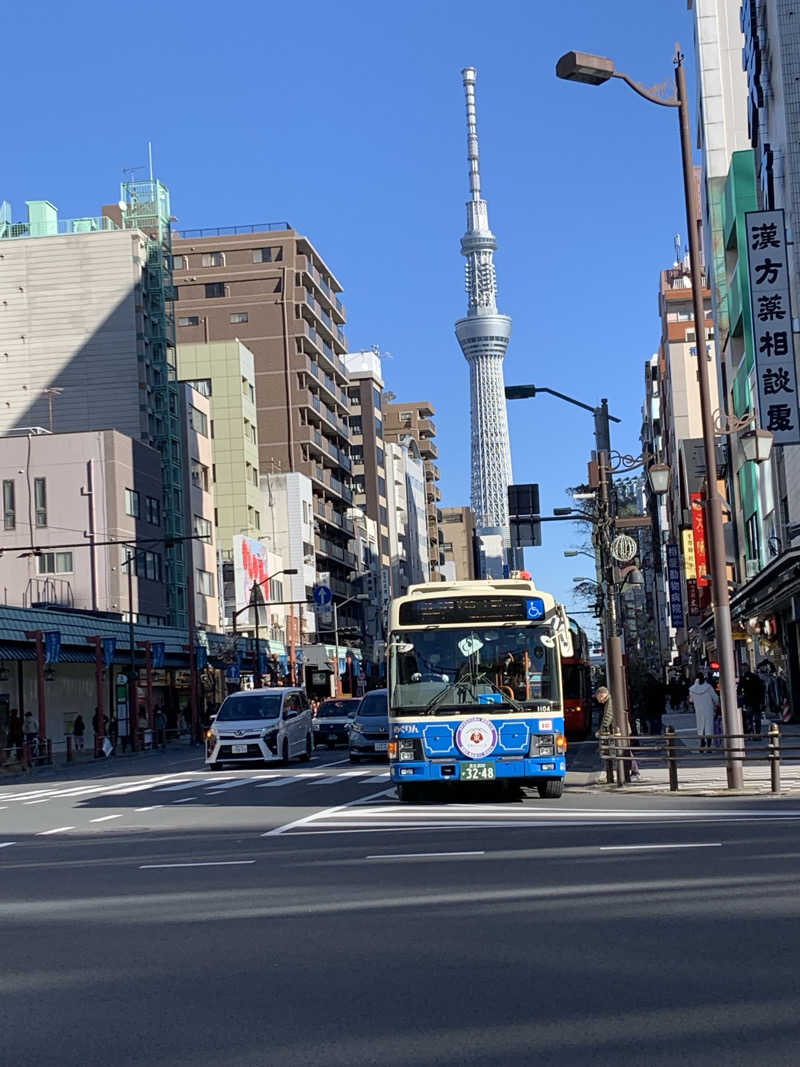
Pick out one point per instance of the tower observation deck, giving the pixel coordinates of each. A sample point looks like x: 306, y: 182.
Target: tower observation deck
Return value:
x: 484, y: 335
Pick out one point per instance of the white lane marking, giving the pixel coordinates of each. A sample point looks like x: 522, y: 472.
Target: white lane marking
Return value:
x: 636, y: 848
x: 105, y: 818
x: 208, y: 863
x: 7, y: 844
x: 421, y: 855
x: 290, y: 779
x: 42, y: 800
x: 185, y: 800
x: 55, y: 830
x: 322, y: 814
x: 175, y: 788
x: 341, y: 776
x: 150, y: 807
x: 232, y: 784
x: 378, y: 778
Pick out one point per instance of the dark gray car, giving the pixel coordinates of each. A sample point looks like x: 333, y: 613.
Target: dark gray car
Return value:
x: 369, y: 732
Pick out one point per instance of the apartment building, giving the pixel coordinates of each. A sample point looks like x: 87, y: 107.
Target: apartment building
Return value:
x: 87, y: 336
x: 414, y: 421
x: 409, y: 561
x: 287, y: 504
x: 225, y: 372
x: 458, y: 547
x: 268, y: 287
x: 201, y: 552
x: 367, y: 445
x: 67, y: 495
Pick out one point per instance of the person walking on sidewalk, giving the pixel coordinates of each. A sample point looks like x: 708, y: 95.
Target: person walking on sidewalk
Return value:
x: 752, y: 698
x: 78, y: 730
x: 704, y: 700
x: 160, y: 725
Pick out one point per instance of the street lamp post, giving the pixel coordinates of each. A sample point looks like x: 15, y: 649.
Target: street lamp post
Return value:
x: 595, y: 70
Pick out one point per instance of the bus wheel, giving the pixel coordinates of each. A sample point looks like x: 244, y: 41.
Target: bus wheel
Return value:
x: 550, y: 787
x: 409, y: 794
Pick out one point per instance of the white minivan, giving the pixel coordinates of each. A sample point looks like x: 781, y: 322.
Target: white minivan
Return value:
x: 260, y: 725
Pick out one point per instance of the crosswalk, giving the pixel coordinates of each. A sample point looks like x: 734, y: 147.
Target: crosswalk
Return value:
x: 169, y: 788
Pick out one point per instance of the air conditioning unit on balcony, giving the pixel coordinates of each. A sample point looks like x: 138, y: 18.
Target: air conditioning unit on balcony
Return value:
x: 751, y: 568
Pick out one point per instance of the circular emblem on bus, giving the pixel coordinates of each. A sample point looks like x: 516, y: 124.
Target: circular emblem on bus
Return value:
x: 476, y: 738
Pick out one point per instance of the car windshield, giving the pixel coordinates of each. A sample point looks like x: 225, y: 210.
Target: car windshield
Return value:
x: 444, y: 667
x: 257, y: 706
x: 373, y: 704
x: 337, y: 709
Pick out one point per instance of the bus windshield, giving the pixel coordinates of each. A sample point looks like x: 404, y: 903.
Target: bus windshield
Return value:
x: 447, y: 667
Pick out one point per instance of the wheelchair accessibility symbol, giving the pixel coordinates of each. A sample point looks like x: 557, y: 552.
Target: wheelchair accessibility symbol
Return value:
x: 534, y: 609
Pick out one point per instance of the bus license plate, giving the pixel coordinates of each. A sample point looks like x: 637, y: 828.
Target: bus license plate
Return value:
x: 476, y: 772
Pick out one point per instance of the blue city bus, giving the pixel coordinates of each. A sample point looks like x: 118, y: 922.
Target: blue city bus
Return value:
x: 475, y: 689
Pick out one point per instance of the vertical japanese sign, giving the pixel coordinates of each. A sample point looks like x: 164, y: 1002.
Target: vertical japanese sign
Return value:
x: 768, y: 262
x: 689, y: 569
x: 674, y: 581
x: 699, y: 537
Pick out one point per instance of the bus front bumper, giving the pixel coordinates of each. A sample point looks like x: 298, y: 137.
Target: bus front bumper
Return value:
x: 451, y: 770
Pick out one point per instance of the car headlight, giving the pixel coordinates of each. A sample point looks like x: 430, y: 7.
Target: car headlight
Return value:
x: 211, y: 737
x: 271, y: 732
x: 356, y: 728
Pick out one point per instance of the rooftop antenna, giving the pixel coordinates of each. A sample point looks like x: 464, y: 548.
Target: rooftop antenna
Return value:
x: 150, y: 157
x: 678, y: 245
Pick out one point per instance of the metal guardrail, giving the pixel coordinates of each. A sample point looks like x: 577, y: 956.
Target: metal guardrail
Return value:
x: 620, y: 752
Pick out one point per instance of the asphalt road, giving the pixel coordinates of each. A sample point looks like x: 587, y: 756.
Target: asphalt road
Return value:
x: 304, y: 916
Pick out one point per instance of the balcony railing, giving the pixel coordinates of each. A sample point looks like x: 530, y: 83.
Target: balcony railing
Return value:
x: 233, y: 231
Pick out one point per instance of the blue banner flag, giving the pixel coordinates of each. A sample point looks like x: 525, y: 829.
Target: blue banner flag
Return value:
x: 157, y: 652
x: 201, y: 657
x: 109, y: 650
x: 52, y: 646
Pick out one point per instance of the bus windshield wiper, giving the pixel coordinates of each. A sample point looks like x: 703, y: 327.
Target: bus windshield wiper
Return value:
x: 460, y: 685
x: 506, y: 698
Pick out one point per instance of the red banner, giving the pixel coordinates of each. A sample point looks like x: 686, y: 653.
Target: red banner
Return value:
x: 699, y: 535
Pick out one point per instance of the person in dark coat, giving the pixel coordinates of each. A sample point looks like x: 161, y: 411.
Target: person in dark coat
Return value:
x: 78, y: 730
x: 752, y: 689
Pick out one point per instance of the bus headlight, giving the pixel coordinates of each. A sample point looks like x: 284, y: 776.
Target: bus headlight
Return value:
x: 543, y: 745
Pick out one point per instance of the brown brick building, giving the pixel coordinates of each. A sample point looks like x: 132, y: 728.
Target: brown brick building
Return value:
x: 267, y: 286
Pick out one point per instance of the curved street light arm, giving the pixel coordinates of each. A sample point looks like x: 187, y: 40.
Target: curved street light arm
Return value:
x: 656, y: 94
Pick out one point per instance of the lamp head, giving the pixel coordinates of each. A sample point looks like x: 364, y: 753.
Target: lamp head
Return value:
x: 756, y: 445
x: 660, y: 476
x: 584, y: 67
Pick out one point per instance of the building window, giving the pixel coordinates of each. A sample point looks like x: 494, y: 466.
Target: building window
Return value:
x: 132, y: 503
x: 257, y: 520
x: 152, y: 510
x: 447, y: 546
x: 216, y: 516
x: 202, y: 386
x: 268, y: 255
x: 214, y: 289
x: 179, y: 262
x: 383, y: 516
x: 201, y: 527
x: 357, y: 453
x: 376, y: 399
x: 54, y: 563
x: 251, y: 392
x: 198, y: 420
x: 239, y: 316
x: 189, y: 320
x: 205, y: 583
x: 213, y: 259
x: 200, y: 478
x: 355, y: 425
x: 306, y: 510
x: 9, y: 510
x: 40, y: 500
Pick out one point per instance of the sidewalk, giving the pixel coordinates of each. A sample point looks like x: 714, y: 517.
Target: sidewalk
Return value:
x: 704, y: 775
x: 60, y: 767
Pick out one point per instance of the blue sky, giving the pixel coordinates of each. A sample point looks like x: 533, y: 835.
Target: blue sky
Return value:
x: 348, y: 121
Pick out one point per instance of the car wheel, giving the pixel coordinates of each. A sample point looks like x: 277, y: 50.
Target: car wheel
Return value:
x: 309, y: 749
x: 285, y: 752
x: 214, y: 766
x: 550, y: 788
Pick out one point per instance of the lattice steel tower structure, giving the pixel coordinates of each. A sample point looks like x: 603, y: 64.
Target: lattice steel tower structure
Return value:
x: 484, y: 335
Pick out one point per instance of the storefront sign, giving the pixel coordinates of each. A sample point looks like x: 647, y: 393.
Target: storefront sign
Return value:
x: 674, y: 581
x: 692, y: 597
x: 689, y: 569
x: 157, y: 653
x: 699, y: 535
x: 52, y: 646
x: 768, y: 261
x: 109, y: 650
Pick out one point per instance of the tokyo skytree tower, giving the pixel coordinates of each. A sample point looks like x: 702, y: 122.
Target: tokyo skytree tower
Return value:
x: 484, y: 335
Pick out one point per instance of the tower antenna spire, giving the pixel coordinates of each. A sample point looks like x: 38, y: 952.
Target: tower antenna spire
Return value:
x: 468, y: 75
